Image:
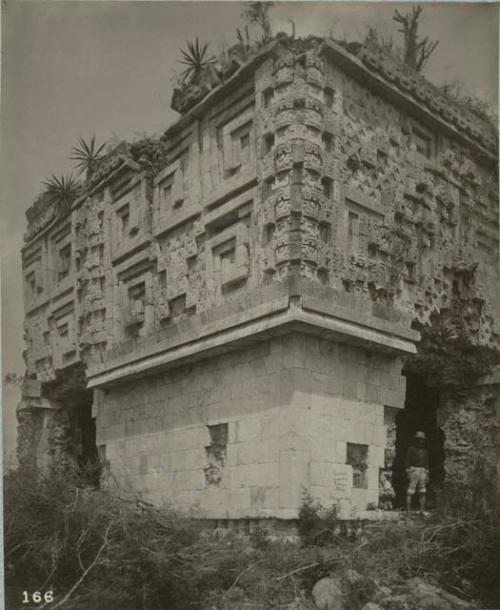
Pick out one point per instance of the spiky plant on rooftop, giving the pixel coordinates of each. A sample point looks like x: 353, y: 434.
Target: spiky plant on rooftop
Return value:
x: 197, y: 59
x: 62, y: 191
x: 88, y: 155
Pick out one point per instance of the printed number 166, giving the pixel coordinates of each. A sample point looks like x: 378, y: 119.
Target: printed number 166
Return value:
x: 37, y: 597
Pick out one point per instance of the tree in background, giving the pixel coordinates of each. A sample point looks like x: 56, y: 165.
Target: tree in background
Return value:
x: 456, y: 91
x: 374, y: 39
x: 417, y: 50
x: 258, y: 13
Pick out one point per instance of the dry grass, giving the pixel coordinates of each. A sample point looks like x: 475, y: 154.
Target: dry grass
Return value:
x: 96, y: 550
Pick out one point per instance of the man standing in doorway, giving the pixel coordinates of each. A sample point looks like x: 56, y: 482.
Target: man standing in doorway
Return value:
x: 417, y: 469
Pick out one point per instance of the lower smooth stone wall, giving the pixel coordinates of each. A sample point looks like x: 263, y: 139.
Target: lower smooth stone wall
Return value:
x: 247, y: 433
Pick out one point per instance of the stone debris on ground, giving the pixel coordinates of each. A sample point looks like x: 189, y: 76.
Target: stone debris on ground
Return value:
x: 346, y: 591
x: 327, y: 594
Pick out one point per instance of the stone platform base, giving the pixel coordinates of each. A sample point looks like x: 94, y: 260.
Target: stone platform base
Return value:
x: 287, y: 529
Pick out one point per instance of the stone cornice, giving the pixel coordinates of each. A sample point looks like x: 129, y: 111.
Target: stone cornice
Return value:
x: 347, y: 319
x: 411, y: 90
x: 102, y: 177
x: 414, y: 93
x: 218, y: 92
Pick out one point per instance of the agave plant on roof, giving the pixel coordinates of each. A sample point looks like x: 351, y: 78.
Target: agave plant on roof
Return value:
x: 62, y: 190
x: 87, y: 154
x: 197, y: 59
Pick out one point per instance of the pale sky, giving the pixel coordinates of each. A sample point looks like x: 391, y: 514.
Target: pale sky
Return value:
x: 73, y: 69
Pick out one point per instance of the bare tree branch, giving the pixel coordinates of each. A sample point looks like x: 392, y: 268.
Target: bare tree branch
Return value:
x: 84, y: 575
x: 417, y: 50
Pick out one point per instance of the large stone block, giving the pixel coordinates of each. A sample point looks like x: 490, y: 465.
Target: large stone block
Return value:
x: 271, y: 424
x: 258, y: 452
x: 215, y: 502
x: 293, y: 478
x: 248, y: 429
x: 323, y: 495
x: 321, y: 474
x: 239, y: 502
x: 294, y: 353
x: 189, y: 479
x: 339, y: 428
x: 184, y: 438
x: 376, y: 456
x: 372, y: 477
x: 324, y: 450
x: 186, y: 459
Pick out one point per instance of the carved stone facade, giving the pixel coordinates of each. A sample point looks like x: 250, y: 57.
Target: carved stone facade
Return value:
x: 243, y: 315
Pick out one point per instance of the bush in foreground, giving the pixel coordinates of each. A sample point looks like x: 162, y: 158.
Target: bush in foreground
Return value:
x: 98, y: 550
x: 456, y: 547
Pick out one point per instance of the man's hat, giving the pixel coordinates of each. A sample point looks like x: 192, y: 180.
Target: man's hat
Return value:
x: 420, y: 434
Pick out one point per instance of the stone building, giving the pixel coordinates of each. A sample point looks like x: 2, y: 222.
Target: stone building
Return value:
x: 257, y: 314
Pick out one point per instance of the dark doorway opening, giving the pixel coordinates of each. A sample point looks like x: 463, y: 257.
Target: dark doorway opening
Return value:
x: 82, y: 436
x: 86, y: 430
x: 419, y: 413
x: 75, y: 421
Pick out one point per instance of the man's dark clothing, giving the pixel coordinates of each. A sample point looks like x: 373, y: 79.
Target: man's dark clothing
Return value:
x: 417, y: 457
